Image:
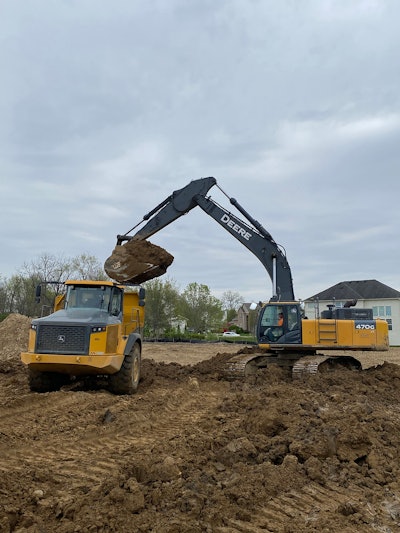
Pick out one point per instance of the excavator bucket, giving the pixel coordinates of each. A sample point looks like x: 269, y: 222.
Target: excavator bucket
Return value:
x: 137, y: 261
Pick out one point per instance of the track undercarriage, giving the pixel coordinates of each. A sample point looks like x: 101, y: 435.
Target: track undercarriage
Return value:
x: 300, y: 363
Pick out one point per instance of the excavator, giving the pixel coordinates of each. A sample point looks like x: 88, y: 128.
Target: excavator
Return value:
x: 284, y: 335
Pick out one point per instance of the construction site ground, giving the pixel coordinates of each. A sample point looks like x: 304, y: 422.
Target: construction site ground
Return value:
x: 192, y: 452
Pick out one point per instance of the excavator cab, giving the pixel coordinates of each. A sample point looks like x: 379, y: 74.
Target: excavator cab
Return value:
x: 280, y: 323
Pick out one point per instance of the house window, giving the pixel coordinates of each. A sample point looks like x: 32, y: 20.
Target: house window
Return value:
x: 383, y: 311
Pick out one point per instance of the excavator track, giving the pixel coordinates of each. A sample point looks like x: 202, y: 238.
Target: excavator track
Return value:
x: 308, y: 365
x: 244, y: 365
x: 240, y: 366
x: 316, y: 363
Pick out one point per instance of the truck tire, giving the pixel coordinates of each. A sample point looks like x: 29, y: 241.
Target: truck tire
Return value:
x: 45, y: 381
x: 126, y: 380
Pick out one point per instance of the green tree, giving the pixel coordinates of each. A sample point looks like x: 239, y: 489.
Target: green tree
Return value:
x: 202, y: 310
x: 3, y: 296
x: 161, y: 301
x: 21, y: 295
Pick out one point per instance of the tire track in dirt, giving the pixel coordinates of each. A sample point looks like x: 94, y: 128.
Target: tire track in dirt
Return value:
x: 88, y: 456
x: 301, y: 507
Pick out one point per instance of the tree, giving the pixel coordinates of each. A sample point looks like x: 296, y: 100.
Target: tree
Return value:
x: 231, y: 301
x: 253, y: 318
x: 161, y: 300
x: 21, y: 295
x: 49, y: 267
x: 202, y: 310
x: 17, y: 295
x: 3, y: 296
x: 87, y: 266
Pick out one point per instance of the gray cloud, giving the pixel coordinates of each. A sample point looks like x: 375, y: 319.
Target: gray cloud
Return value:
x: 293, y: 106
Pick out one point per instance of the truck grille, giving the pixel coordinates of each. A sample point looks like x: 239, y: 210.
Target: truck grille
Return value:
x: 62, y: 339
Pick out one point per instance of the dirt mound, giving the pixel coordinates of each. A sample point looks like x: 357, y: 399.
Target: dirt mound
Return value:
x: 14, y: 332
x: 137, y: 262
x: 191, y: 452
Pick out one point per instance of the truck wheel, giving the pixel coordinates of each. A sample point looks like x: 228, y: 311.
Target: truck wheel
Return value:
x: 45, y: 381
x: 126, y: 380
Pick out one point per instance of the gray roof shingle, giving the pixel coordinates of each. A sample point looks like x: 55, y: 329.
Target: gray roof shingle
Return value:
x: 368, y: 289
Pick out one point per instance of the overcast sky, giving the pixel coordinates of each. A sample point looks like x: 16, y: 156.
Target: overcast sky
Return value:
x: 107, y: 107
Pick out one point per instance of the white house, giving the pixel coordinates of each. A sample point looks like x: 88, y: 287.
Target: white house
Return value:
x: 369, y: 294
x: 179, y: 323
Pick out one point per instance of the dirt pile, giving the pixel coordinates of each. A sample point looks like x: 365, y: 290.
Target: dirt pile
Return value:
x: 193, y: 453
x: 137, y: 262
x: 14, y: 332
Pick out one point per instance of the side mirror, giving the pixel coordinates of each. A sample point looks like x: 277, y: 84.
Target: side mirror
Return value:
x: 142, y: 295
x: 38, y: 293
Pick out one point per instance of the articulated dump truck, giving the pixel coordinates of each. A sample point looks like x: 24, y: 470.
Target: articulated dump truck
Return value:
x: 96, y: 329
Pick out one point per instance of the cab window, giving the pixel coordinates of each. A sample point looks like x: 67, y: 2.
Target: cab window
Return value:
x: 116, y: 302
x: 293, y: 317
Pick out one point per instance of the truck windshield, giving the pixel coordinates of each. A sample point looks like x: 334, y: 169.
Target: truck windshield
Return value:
x: 82, y: 297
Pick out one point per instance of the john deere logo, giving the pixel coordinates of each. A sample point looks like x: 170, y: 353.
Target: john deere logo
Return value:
x: 61, y: 338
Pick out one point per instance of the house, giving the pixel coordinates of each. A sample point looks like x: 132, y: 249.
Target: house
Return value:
x: 369, y: 294
x: 245, y: 318
x: 179, y: 323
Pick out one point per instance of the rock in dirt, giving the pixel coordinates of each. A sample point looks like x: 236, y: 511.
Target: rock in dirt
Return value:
x: 137, y: 261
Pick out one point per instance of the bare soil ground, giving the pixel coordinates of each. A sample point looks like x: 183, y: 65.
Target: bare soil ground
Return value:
x: 192, y: 452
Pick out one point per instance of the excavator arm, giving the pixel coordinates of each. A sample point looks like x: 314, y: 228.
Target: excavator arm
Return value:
x: 176, y: 205
x: 251, y: 234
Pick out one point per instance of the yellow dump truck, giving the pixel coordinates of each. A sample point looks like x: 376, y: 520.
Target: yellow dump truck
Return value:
x: 96, y: 329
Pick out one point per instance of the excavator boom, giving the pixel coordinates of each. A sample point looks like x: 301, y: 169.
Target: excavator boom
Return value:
x: 176, y: 205
x: 251, y: 234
